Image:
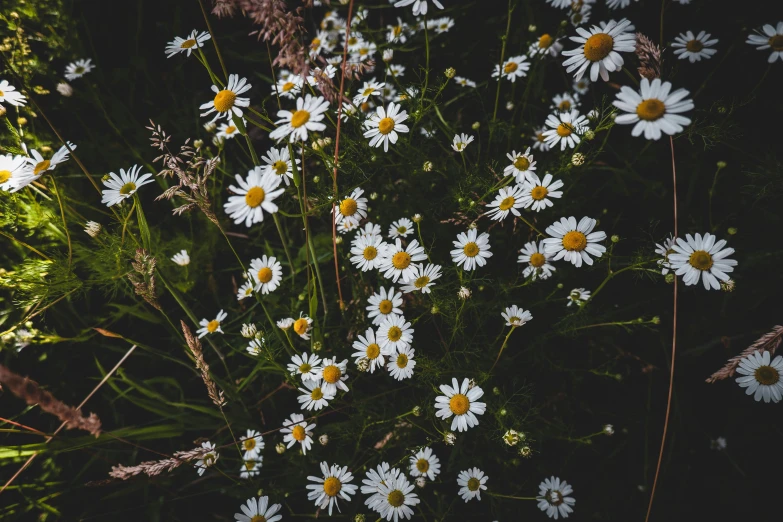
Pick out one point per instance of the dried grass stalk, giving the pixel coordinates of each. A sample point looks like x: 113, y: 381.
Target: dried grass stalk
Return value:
x: 768, y: 342
x: 27, y: 389
x: 201, y: 364
x: 650, y: 59
x: 156, y: 467
x: 143, y: 280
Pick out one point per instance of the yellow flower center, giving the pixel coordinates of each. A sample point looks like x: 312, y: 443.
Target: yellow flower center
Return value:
x: 397, y: 31
x: 507, y: 203
x: 564, y: 105
x: 280, y: 167
x: 510, y: 67
x: 386, y: 125
x: 287, y: 86
x: 315, y: 43
x: 5, y: 175
x: 249, y: 444
x: 522, y: 163
x: 538, y: 193
x: 368, y: 91
x: 305, y: 368
x: 224, y: 100
x: 300, y: 325
x: 459, y: 404
x: 255, y: 196
x: 128, y: 188
x: 540, y: 137
x: 651, y: 109
x: 298, y: 433
x: 421, y: 282
x: 474, y: 484
x: 348, y: 207
x: 537, y: 260
x: 767, y: 375
x: 187, y: 44
x: 79, y: 70
x: 352, y: 40
x: 249, y: 465
x: 423, y: 465
x: 373, y: 351
x: 394, y: 334
x: 213, y: 325
x: 401, y: 260
x: 471, y: 249
x: 396, y: 498
x: 598, y: 47
x: 317, y: 394
x: 264, y: 274
x: 776, y: 42
x: 230, y: 129
x: 258, y: 518
x: 370, y: 253
x: 564, y: 129
x: 42, y: 167
x: 385, y: 306
x: 402, y: 229
x: 363, y: 51
x: 694, y: 46
x: 332, y: 486
x: 402, y: 360
x: 701, y: 260
x: 300, y: 118
x: 545, y: 41
x: 574, y: 240
x: 332, y: 374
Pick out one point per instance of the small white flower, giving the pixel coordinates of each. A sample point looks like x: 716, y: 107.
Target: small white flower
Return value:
x: 368, y: 349
x: 546, y: 44
x: 252, y: 444
x: 208, y: 459
x: 334, y: 375
x: 304, y: 365
x: 93, y: 228
x: 295, y: 125
x: 367, y: 252
x: 599, y: 49
x: 471, y: 250
x: 565, y: 102
x: 228, y: 131
x: 464, y: 82
x: 578, y: 296
x: 334, y: 484
x: 573, y: 241
x: 460, y: 142
x: 285, y: 324
x: 509, y: 199
x: 278, y: 162
x: 250, y: 469
x: 245, y: 291
x: 537, y: 261
x: 208, y: 327
x: 403, y: 227
x: 186, y: 45
x: 370, y: 88
x: 460, y: 401
x: 422, y: 278
x: 537, y: 192
x: 314, y: 397
x: 653, y: 110
x: 9, y: 94
x: 384, y: 124
x: 393, y: 334
x: 398, y: 260
x: 78, y: 69
x: 227, y: 102
x: 769, y: 37
x: 401, y: 364
x: 384, y: 305
x: 297, y: 430
x: 471, y: 482
x: 702, y: 258
x: 694, y: 48
x: 255, y: 194
x: 522, y: 165
x: 122, y: 187
x: 425, y: 464
x: 513, y: 68
x: 266, y: 273
x: 181, y: 258
x: 255, y: 510
x: 463, y: 293
x: 419, y: 6
x: 352, y: 208
x: 394, y: 498
x: 553, y: 499
x: 254, y: 347
x: 65, y: 89
x: 302, y: 326
x: 516, y: 316
x: 565, y: 128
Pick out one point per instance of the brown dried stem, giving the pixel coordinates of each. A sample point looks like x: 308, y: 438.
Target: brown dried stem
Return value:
x: 156, y: 467
x: 201, y: 364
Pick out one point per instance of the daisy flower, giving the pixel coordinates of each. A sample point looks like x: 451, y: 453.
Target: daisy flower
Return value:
x: 600, y: 49
x: 208, y: 459
x: 424, y: 463
x: 267, y: 273
x: 618, y: 4
x: 762, y: 378
x: 13, y: 175
x: 254, y: 347
x: 508, y: 199
x: 318, y: 75
x: 394, y: 499
x: 208, y: 327
x: 396, y: 70
x: 334, y: 484
x: 539, y: 140
x: 401, y: 365
x: 255, y: 194
x: 472, y: 250
x: 255, y: 510
x: 314, y: 397
x: 227, y: 131
x: 369, y: 229
x: 384, y: 305
x: 186, y: 45
x: 522, y: 165
x: 371, y: 88
x: 347, y: 225
x: 320, y: 44
x: 353, y: 208
x: 565, y: 128
x: 78, y: 69
x: 471, y: 482
x: 464, y: 82
x: 181, y: 258
x: 367, y: 252
x: 537, y: 261
x: 227, y: 102
x: 580, y: 13
x: 302, y: 326
x: 393, y: 334
x: 419, y: 6
x: 285, y: 324
x: 422, y: 278
x: 559, y: 4
x: 573, y: 241
x: 305, y: 366
x: 537, y: 192
x: 513, y: 68
x: 516, y: 316
x: 565, y: 102
x: 252, y: 444
x: 654, y: 109
x: 250, y: 469
x: 334, y: 375
x: 769, y: 37
x: 581, y: 86
x: 384, y: 125
x: 245, y: 291
x: 119, y: 188
x: 546, y: 44
x: 441, y: 25
x: 278, y: 162
x: 663, y: 250
x: 9, y: 94
x: 578, y: 296
x: 296, y: 430
x: 367, y: 348
x: 397, y: 261
x: 694, y: 48
x: 373, y: 478
x: 461, y: 141
x: 403, y: 227
x: 460, y: 402
x: 396, y: 33
x: 552, y: 498
x: 307, y: 117
x: 702, y: 258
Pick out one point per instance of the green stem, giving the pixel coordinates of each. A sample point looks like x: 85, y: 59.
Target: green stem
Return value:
x: 505, y: 342
x: 502, y: 58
